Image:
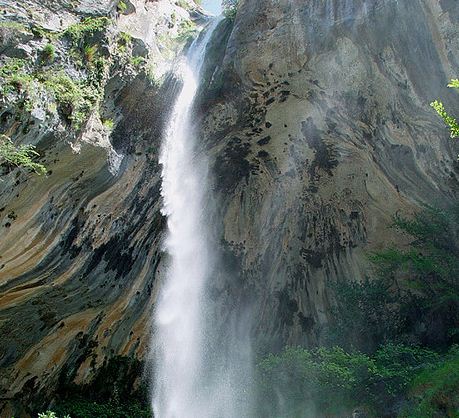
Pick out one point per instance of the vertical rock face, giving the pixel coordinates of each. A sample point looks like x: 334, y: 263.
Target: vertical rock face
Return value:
x: 80, y: 247
x: 320, y: 127
x: 316, y: 119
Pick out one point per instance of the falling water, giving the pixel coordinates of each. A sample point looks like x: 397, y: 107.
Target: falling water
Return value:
x: 180, y: 363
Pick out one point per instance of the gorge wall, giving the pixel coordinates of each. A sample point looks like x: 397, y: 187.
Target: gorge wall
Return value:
x: 317, y: 123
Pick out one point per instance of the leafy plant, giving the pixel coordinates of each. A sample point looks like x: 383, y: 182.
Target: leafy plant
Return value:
x: 21, y: 156
x: 187, y: 29
x: 89, y: 52
x: 109, y: 124
x: 80, y: 33
x: 435, y: 389
x: 49, y: 52
x: 50, y: 414
x: 82, y: 408
x: 74, y: 100
x: 449, y: 120
x: 335, y: 381
x: 122, y: 7
x: 137, y: 61
x: 414, y: 291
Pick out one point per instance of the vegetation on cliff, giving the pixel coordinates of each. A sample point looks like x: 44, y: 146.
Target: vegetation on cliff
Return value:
x: 449, y: 120
x: 392, y: 349
x: 19, y: 156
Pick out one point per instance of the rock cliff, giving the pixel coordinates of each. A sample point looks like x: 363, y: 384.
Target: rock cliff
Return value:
x: 80, y: 246
x: 317, y: 123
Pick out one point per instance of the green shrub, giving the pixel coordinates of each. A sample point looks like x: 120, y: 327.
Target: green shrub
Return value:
x: 450, y: 121
x: 414, y: 291
x: 80, y: 33
x: 137, y: 61
x: 14, y: 76
x: 108, y: 123
x: 75, y: 100
x: 301, y: 379
x: 49, y: 52
x: 365, y: 314
x: 81, y: 408
x: 89, y: 53
x: 187, y: 29
x: 435, y: 390
x: 121, y: 7
x: 21, y: 156
x: 335, y: 381
x: 50, y: 414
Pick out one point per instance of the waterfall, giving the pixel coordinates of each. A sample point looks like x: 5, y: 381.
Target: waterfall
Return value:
x: 179, y: 337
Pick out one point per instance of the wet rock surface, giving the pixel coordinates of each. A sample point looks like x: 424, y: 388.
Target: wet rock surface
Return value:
x: 80, y: 247
x: 318, y: 127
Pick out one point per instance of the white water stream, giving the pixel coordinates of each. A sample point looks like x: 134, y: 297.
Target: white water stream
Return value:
x: 180, y: 340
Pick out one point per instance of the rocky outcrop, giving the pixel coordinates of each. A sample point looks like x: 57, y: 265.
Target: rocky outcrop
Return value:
x: 319, y: 125
x: 80, y: 247
x: 315, y: 117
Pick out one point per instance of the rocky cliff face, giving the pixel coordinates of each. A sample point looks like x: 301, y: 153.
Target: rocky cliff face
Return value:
x: 316, y: 120
x: 319, y: 124
x: 80, y: 247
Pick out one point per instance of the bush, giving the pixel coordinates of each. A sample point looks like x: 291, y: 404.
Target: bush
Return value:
x: 335, y: 381
x: 49, y: 52
x: 450, y: 121
x: 414, y: 292
x: 81, y: 408
x: 80, y: 33
x: 436, y: 389
x: 74, y: 100
x: 50, y: 414
x: 21, y: 156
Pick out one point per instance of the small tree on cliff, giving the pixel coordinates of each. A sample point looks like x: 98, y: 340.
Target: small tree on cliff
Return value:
x: 19, y: 156
x: 449, y: 120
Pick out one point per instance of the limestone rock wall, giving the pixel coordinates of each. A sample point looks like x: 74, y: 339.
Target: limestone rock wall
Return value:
x: 316, y: 118
x: 319, y: 125
x: 80, y: 246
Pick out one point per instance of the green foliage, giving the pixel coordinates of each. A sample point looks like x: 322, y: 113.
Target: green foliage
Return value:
x: 82, y: 408
x: 434, y: 259
x: 121, y: 7
x: 89, y: 53
x: 108, y: 123
x: 335, y: 381
x: 13, y: 25
x: 395, y: 368
x: 414, y: 292
x: 75, y: 100
x: 187, y: 29
x: 50, y: 414
x: 21, y: 156
x: 49, y: 52
x: 124, y: 38
x: 137, y: 61
x: 449, y: 120
x: 14, y: 76
x: 80, y: 33
x: 363, y: 315
x: 436, y: 389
